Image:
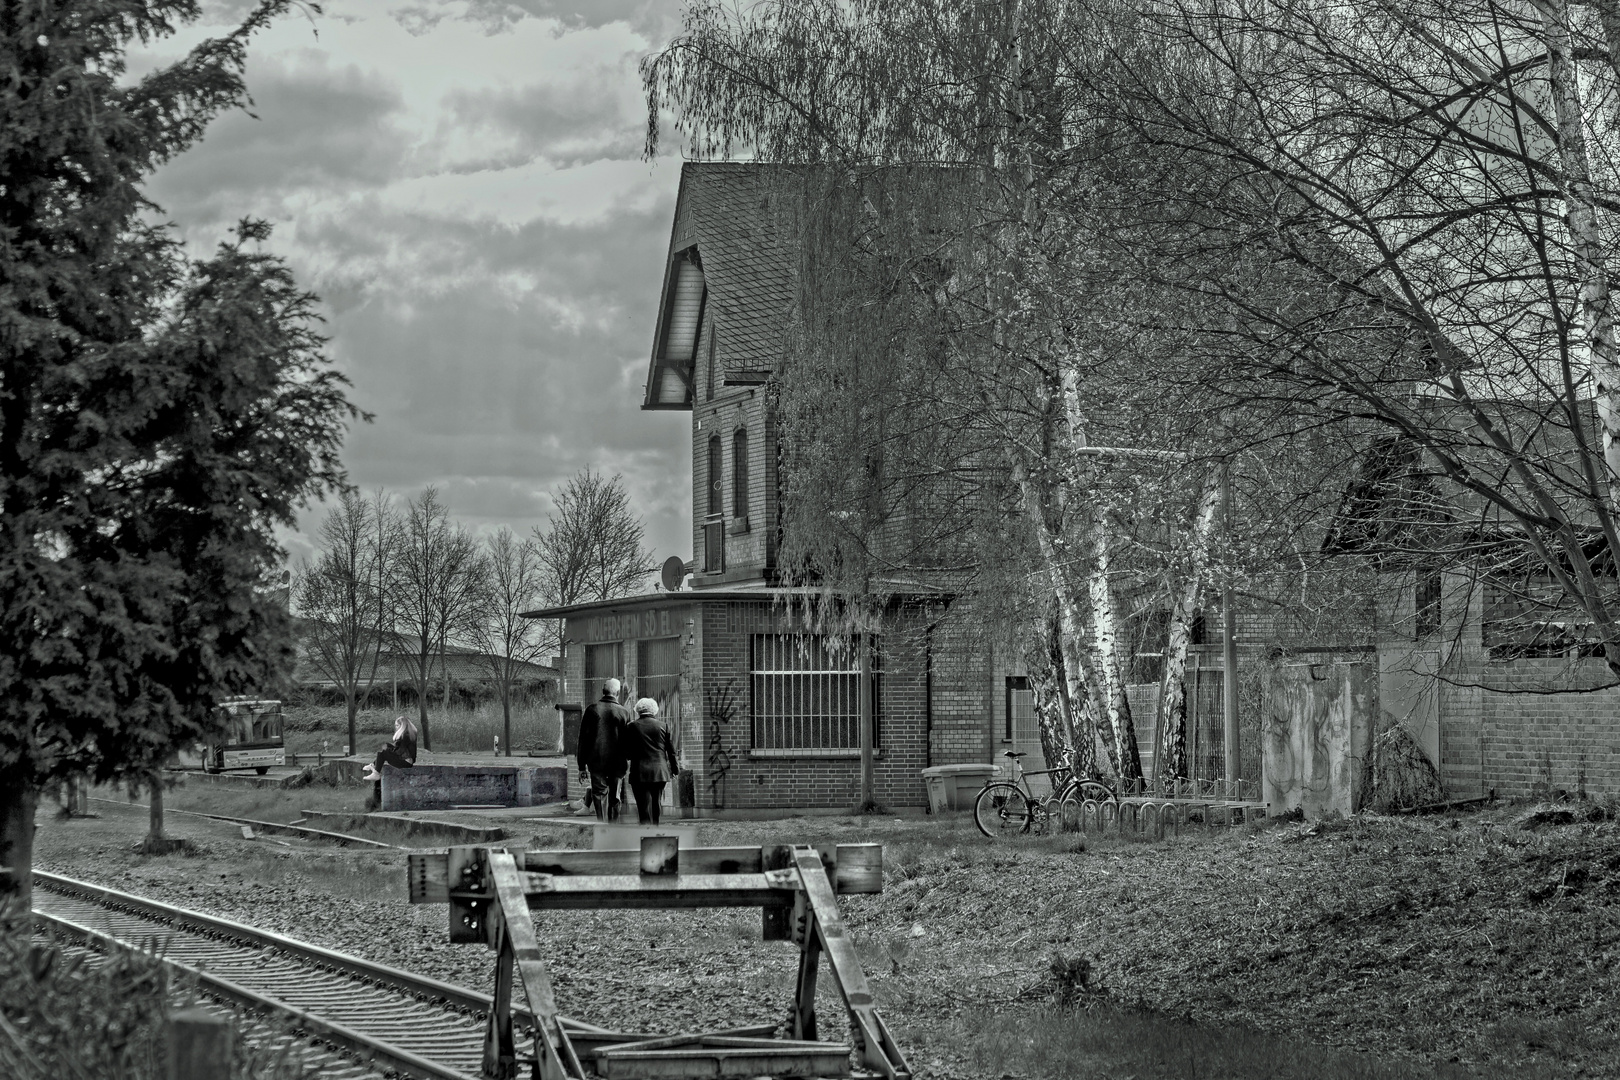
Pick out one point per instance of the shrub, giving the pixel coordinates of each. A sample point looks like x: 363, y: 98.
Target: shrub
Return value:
x: 66, y: 1014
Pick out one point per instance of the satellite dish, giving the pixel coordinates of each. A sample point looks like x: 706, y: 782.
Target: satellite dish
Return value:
x: 286, y: 577
x: 674, y: 572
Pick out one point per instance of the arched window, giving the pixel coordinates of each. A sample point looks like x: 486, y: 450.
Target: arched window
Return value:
x: 739, y: 473
x: 717, y: 500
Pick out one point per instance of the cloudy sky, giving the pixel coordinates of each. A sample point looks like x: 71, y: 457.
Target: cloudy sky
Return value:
x: 461, y: 182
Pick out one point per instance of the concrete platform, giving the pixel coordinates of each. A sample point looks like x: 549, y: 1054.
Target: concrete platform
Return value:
x: 275, y: 778
x: 441, y: 785
x: 353, y: 767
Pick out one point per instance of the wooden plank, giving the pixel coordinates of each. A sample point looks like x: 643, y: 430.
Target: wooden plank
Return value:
x: 579, y: 1025
x: 877, y: 1050
x: 733, y: 860
x: 500, y: 1048
x: 658, y: 1042
x: 470, y: 917
x: 589, y: 1042
x: 730, y: 1041
x: 717, y: 1062
x: 696, y: 1041
x: 858, y: 867
x: 519, y: 929
x: 594, y: 1038
x: 804, y: 993
x: 569, y: 1055
x: 547, y: 893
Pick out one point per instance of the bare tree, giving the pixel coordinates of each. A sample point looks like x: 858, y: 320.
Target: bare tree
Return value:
x: 1412, y: 203
x: 511, y: 585
x: 341, y: 596
x: 591, y: 549
x: 434, y: 589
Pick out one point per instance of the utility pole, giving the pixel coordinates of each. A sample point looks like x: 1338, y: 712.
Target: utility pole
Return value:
x: 1234, y: 757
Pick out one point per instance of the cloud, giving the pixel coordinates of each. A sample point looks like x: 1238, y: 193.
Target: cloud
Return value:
x: 565, y: 125
x: 461, y: 184
x: 656, y: 20
x: 316, y: 130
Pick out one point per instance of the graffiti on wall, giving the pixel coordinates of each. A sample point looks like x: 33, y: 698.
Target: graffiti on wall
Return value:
x: 720, y: 705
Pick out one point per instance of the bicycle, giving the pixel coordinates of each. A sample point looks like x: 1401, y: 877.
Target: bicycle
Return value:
x: 1005, y: 807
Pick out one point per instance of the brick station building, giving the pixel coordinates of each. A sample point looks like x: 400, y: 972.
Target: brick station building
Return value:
x: 764, y: 714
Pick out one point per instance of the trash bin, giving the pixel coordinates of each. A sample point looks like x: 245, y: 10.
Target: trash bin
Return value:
x: 954, y: 787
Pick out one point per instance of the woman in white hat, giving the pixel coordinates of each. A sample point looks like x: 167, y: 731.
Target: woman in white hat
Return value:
x: 646, y: 744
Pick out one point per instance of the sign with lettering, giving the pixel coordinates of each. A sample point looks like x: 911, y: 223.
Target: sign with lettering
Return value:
x: 629, y: 625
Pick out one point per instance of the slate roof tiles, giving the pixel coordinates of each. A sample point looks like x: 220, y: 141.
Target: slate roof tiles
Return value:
x: 739, y: 215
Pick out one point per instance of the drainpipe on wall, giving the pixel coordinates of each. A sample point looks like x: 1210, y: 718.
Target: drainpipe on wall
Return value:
x: 928, y: 696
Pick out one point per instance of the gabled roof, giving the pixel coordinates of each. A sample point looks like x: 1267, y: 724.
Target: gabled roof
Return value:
x: 736, y: 218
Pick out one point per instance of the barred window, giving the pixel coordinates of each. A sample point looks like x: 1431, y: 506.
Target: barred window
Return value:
x: 806, y: 695
x: 658, y: 676
x: 603, y: 661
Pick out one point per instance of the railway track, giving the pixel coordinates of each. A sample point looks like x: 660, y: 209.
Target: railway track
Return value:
x: 414, y: 1025
x: 304, y: 831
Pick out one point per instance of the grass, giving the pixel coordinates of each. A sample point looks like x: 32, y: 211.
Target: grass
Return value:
x: 1105, y: 1042
x: 312, y: 729
x: 1446, y: 948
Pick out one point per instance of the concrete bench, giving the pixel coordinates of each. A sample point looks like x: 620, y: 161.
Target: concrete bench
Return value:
x: 445, y: 787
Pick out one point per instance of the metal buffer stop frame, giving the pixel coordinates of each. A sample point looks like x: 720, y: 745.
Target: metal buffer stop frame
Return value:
x: 491, y: 891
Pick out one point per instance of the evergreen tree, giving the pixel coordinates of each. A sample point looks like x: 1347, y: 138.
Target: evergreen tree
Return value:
x: 158, y: 416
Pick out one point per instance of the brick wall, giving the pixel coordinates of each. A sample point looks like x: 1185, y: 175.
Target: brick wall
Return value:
x: 1529, y: 744
x: 730, y: 410
x: 965, y: 698
x: 729, y: 774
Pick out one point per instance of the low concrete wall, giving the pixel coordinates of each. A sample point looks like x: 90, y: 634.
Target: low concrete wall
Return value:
x: 444, y: 787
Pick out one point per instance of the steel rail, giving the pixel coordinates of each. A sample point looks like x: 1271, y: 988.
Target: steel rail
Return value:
x: 378, y: 1008
x: 267, y: 826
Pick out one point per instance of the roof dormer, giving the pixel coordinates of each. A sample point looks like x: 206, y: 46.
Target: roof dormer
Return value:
x: 680, y: 322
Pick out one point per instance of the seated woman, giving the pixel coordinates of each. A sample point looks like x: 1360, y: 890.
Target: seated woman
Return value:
x: 400, y: 753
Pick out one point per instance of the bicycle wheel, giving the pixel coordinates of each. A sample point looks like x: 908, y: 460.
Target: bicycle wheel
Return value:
x: 1095, y: 790
x: 1002, y: 810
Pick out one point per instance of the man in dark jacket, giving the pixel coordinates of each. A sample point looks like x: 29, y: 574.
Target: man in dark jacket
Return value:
x: 601, y: 761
